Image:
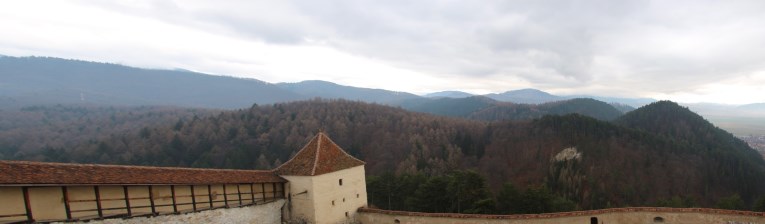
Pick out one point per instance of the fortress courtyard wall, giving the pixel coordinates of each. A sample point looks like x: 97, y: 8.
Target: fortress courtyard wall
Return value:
x: 616, y: 215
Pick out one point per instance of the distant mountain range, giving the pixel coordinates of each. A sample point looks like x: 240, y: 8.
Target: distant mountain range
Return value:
x: 754, y: 106
x: 450, y: 94
x: 535, y: 96
x: 28, y: 81
x: 35, y: 81
x: 329, y: 90
x: 528, y: 96
x: 45, y: 80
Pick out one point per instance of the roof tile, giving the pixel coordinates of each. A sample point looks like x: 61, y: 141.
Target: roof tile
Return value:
x: 26, y: 172
x: 321, y: 155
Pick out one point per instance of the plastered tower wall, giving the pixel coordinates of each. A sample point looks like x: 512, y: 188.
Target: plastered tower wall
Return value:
x: 323, y: 199
x: 336, y: 203
x: 326, y: 184
x: 300, y: 199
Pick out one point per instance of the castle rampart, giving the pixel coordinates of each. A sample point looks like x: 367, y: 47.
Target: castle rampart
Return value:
x: 48, y: 192
x: 613, y: 215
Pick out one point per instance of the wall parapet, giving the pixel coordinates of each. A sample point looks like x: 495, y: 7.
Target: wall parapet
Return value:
x: 46, y: 192
x: 567, y: 214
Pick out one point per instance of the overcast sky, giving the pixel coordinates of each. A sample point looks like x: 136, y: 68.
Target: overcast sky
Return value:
x: 687, y: 51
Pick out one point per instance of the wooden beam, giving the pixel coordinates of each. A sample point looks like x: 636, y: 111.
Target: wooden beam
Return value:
x: 172, y: 191
x: 151, y: 201
x: 193, y: 199
x: 239, y: 194
x: 263, y: 185
x: 209, y: 195
x: 27, y: 205
x: 66, y: 203
x: 225, y: 196
x: 127, y: 200
x: 98, y: 201
x: 252, y: 193
x: 273, y: 188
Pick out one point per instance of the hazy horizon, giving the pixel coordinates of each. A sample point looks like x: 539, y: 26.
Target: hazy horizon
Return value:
x: 685, y: 51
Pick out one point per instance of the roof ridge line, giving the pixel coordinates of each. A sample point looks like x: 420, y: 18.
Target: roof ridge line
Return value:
x: 316, y: 157
x: 123, y: 166
x: 298, y: 152
x: 343, y: 150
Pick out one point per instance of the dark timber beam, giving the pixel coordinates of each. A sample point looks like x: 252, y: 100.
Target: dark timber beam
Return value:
x: 151, y: 201
x: 225, y: 196
x: 193, y: 199
x: 252, y: 193
x: 239, y: 194
x: 127, y: 200
x: 27, y: 206
x: 68, y: 209
x: 273, y: 188
x: 263, y: 185
x: 209, y: 195
x: 172, y: 191
x: 98, y: 201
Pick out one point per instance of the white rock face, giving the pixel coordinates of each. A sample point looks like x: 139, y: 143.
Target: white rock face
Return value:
x: 267, y: 213
x: 568, y: 154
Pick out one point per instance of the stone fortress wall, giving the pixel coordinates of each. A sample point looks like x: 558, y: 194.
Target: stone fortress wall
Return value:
x: 613, y: 215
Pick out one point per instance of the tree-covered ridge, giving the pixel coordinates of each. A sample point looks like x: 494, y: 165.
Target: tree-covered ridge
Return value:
x: 466, y: 191
x: 460, y: 191
x: 680, y: 125
x: 584, y: 106
x: 47, y: 132
x: 483, y: 108
x: 453, y: 107
x: 617, y: 165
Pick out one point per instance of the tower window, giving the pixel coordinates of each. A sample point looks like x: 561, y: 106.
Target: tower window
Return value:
x: 340, y: 182
x: 333, y: 202
x: 357, y: 195
x: 346, y: 214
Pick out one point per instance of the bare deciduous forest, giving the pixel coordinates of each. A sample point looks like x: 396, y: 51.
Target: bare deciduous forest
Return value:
x: 660, y: 153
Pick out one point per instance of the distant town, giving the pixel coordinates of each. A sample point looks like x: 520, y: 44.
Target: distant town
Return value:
x: 757, y: 142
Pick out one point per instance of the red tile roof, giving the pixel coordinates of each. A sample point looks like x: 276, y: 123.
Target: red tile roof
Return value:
x: 321, y: 155
x: 33, y: 173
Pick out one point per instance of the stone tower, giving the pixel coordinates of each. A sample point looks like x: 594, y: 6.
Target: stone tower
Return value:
x: 326, y: 184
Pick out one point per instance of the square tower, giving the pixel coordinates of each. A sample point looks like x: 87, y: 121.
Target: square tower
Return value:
x: 326, y: 184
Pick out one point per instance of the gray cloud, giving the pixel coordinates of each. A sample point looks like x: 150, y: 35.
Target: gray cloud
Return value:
x: 634, y: 47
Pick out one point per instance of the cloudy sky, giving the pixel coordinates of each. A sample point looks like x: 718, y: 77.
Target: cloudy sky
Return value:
x: 687, y: 51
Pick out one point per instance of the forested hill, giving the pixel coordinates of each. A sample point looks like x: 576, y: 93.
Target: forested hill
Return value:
x: 584, y: 106
x: 679, y: 124
x: 41, y: 132
x: 671, y: 120
x: 487, y: 109
x: 616, y: 165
